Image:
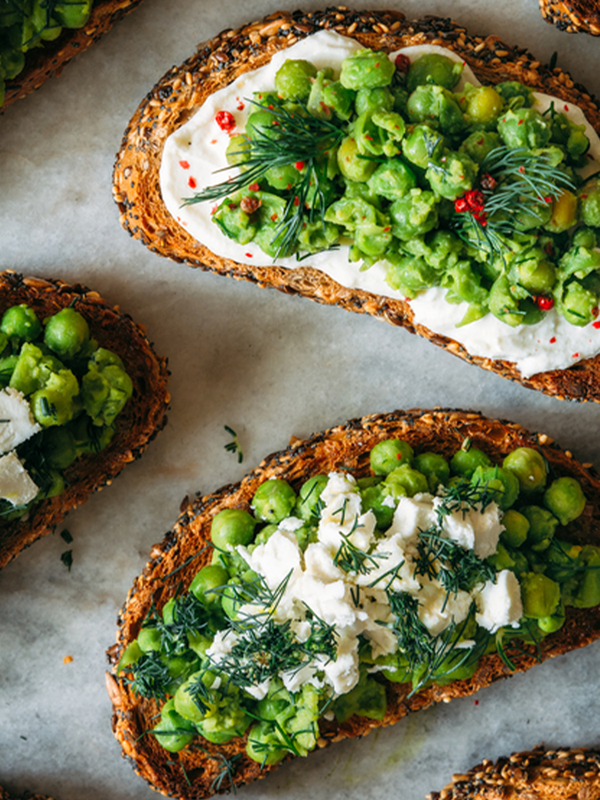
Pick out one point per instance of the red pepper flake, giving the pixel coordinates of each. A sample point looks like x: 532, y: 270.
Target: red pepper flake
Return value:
x: 213, y: 141
x: 192, y: 183
x: 299, y: 165
x: 547, y: 199
x: 521, y: 169
x: 553, y: 340
x: 254, y: 187
x: 273, y: 217
x: 575, y: 355
x: 520, y: 122
x: 402, y: 63
x: 596, y: 324
x: 377, y: 65
x: 387, y: 228
x: 476, y: 702
x: 369, y: 138
x: 399, y: 456
x: 184, y: 164
x: 241, y: 106
x: 214, y: 209
x: 248, y: 255
x: 225, y: 120
x: 296, y: 201
x: 595, y: 311
x: 566, y: 107
x: 544, y: 303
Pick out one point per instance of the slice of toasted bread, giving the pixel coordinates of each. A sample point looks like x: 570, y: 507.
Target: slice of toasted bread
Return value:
x: 179, y: 94
x: 47, y: 61
x: 573, y: 16
x: 4, y: 795
x: 539, y: 773
x: 142, y: 417
x: 194, y: 772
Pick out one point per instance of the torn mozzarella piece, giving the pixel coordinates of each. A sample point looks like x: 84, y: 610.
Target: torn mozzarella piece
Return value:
x: 16, y: 486
x: 17, y: 423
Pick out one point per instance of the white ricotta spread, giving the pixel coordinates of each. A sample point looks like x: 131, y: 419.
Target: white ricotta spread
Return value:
x: 17, y: 423
x: 355, y: 600
x: 15, y: 484
x: 195, y: 153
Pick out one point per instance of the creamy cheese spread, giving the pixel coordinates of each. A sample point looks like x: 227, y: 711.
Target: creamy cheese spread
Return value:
x: 355, y: 601
x: 195, y: 153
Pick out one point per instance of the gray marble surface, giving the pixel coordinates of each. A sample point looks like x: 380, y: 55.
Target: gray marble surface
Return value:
x: 269, y: 366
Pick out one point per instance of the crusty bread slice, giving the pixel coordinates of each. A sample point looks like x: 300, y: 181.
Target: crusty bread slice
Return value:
x: 47, y: 61
x: 539, y: 774
x: 191, y: 774
x: 183, y: 89
x: 4, y: 795
x: 143, y: 416
x: 574, y: 16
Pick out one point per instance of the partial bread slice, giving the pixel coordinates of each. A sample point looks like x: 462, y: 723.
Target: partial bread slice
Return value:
x: 47, y: 61
x: 179, y: 94
x: 539, y: 773
x: 573, y: 16
x: 137, y: 424
x: 4, y: 795
x: 191, y: 773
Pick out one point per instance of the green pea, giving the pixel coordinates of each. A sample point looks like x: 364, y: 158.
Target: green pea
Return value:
x: 264, y: 744
x: 405, y: 481
x: 338, y: 98
x: 366, y: 69
x: 589, y: 203
x: 293, y: 79
x: 501, y: 559
x: 20, y: 322
x: 60, y: 449
x: 131, y: 655
x: 521, y: 564
x: 452, y: 176
x: 436, y: 106
x: 516, y: 528
x: 351, y: 166
x: 435, y: 468
x: 563, y: 560
x: 466, y: 460
x: 206, y: 581
x: 414, y: 214
x: 373, y: 499
x: 149, y: 639
x: 542, y: 526
x: 274, y: 500
x: 583, y: 590
x: 553, y: 622
x: 540, y: 595
x: 501, y: 483
x: 66, y: 333
x: 564, y: 212
x: 423, y: 145
x: 479, y: 144
x: 385, y: 456
x: 565, y: 499
x: 373, y: 99
x: 173, y: 732
x: 536, y: 274
x: 230, y: 527
x: 483, y: 105
x: 168, y: 611
x: 308, y: 505
x: 529, y: 467
x: 524, y: 127
x: 58, y: 401
x: 392, y: 179
x: 434, y: 68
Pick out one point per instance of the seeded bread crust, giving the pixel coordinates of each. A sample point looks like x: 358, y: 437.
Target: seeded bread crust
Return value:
x: 180, y: 93
x: 142, y: 418
x: 4, y: 795
x: 191, y: 773
x: 573, y: 16
x: 47, y: 61
x: 538, y: 774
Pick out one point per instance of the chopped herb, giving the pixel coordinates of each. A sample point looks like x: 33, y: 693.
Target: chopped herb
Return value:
x: 66, y: 535
x: 67, y: 559
x: 234, y: 446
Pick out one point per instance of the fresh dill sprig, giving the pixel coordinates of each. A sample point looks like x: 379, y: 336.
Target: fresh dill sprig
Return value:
x: 150, y: 676
x: 351, y: 558
x: 521, y: 181
x: 297, y: 137
x: 234, y: 446
x: 227, y: 769
x: 455, y: 567
x: 188, y: 616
